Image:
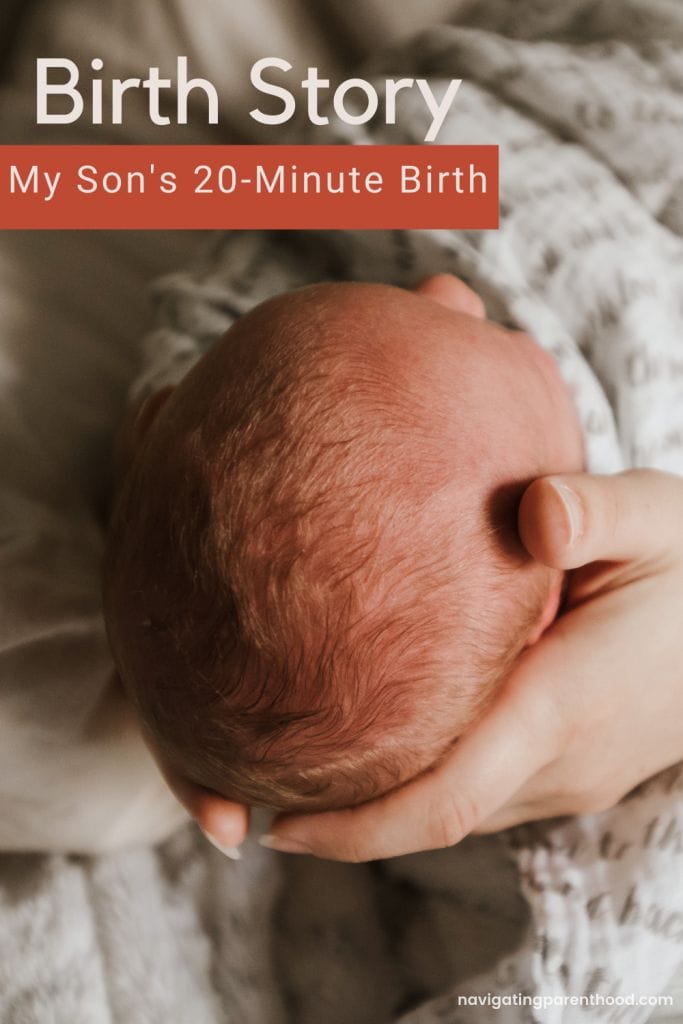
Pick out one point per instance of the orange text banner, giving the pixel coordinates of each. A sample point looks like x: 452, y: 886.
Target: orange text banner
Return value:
x: 289, y: 187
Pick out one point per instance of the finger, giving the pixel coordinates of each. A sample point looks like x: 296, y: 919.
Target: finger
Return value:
x: 572, y: 520
x: 512, y: 742
x: 524, y: 814
x: 224, y: 823
x: 511, y: 815
x: 551, y: 806
x: 450, y: 291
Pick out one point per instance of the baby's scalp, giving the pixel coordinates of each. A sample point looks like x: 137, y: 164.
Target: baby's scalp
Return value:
x: 312, y: 579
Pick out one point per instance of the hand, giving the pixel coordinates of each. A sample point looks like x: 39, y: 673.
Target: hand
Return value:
x: 589, y: 712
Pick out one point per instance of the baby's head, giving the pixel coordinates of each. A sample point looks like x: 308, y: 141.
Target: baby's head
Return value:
x: 313, y: 581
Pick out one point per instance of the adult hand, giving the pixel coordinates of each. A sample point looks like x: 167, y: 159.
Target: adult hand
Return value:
x: 590, y: 711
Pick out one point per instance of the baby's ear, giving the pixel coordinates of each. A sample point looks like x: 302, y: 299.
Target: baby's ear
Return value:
x: 146, y: 411
x: 136, y: 423
x: 453, y: 293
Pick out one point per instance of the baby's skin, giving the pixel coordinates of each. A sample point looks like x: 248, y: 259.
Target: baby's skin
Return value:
x: 331, y: 679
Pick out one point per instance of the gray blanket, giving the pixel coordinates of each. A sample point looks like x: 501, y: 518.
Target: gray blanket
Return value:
x: 584, y: 99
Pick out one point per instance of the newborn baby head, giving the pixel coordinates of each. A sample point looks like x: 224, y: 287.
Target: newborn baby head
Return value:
x: 313, y: 581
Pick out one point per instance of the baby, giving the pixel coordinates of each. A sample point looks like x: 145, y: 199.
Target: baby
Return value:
x: 313, y: 582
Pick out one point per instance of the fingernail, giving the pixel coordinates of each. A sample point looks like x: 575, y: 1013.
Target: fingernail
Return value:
x: 282, y: 845
x: 229, y: 851
x: 572, y: 507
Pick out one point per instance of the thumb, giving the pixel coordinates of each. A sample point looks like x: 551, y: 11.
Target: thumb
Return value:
x: 571, y: 520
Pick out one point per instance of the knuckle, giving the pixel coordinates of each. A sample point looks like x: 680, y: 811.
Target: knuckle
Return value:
x: 356, y: 848
x: 354, y: 854
x: 452, y: 817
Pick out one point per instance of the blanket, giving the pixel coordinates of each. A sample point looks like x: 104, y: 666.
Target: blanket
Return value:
x: 584, y: 101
